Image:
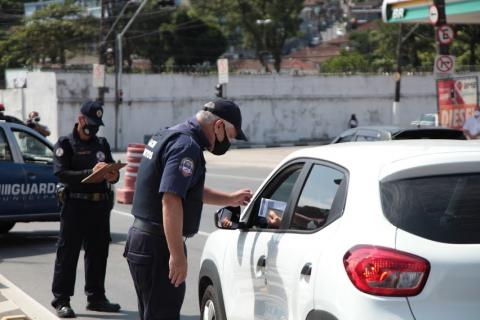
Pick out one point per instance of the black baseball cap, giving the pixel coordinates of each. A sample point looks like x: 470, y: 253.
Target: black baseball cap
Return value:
x: 229, y: 111
x: 93, y: 111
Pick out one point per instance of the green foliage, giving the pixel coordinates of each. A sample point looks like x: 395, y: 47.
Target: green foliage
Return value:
x: 264, y: 24
x: 47, y: 36
x: 345, y: 62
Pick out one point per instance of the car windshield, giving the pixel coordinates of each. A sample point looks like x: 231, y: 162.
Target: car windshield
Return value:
x: 440, y: 208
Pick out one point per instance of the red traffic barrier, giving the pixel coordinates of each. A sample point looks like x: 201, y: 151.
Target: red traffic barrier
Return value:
x: 134, y: 156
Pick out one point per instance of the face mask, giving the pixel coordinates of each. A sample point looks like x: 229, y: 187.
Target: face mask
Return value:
x: 90, y: 130
x: 220, y: 147
x: 36, y: 119
x: 476, y: 113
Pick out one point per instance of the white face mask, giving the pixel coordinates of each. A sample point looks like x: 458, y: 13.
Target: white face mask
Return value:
x: 477, y: 113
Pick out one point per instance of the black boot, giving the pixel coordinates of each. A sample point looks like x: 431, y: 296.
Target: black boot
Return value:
x: 103, y: 306
x: 64, y: 310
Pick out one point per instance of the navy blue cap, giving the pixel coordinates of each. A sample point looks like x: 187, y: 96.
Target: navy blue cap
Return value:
x: 229, y: 111
x: 93, y: 111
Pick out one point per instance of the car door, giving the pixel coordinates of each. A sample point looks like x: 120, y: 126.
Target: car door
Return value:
x: 12, y: 177
x: 39, y: 189
x: 246, y: 258
x: 295, y: 255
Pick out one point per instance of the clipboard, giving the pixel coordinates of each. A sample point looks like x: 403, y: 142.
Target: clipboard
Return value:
x: 99, y: 176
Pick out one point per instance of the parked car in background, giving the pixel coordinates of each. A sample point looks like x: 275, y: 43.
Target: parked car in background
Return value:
x: 385, y: 230
x: 379, y: 133
x: 426, y: 120
x: 27, y: 182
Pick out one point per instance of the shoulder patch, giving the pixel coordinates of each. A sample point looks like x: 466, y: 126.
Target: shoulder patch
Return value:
x: 59, y: 152
x: 100, y: 156
x: 186, y: 167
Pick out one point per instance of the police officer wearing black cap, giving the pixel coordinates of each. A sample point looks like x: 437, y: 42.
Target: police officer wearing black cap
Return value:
x: 168, y: 203
x: 85, y: 215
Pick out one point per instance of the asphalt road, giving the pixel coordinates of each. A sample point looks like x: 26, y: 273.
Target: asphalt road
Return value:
x: 27, y: 253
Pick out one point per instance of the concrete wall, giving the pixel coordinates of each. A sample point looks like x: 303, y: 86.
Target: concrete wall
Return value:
x: 276, y: 108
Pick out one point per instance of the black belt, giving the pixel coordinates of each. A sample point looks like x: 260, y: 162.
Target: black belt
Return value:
x: 148, y: 227
x: 89, y: 196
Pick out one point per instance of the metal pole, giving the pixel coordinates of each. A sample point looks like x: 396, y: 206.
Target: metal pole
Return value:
x: 118, y: 81
x: 117, y: 102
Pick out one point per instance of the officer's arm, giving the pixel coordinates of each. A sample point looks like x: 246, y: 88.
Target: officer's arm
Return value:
x: 173, y: 226
x: 114, y: 176
x: 238, y: 198
x: 62, y: 164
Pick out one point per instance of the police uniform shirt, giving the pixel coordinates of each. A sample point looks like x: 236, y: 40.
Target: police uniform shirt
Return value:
x: 183, y: 161
x: 75, y: 158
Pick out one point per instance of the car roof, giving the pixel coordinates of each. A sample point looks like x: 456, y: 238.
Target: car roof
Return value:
x: 360, y: 155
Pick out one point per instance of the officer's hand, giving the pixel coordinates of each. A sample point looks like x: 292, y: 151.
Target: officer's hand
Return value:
x: 178, y: 269
x: 99, y: 166
x: 112, y: 176
x: 226, y: 223
x: 241, y: 197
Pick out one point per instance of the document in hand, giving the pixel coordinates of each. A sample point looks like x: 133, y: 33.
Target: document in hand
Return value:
x: 269, y: 204
x: 99, y: 176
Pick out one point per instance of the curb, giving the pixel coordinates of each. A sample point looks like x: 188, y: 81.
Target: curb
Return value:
x: 16, y: 304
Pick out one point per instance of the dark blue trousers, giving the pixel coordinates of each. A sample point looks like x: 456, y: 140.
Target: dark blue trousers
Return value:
x: 84, y: 224
x: 148, y: 259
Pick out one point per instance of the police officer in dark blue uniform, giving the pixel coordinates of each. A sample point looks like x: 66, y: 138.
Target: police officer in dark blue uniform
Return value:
x: 168, y: 203
x: 85, y: 216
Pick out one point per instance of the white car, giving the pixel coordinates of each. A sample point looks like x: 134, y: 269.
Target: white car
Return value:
x: 370, y: 230
x: 426, y: 120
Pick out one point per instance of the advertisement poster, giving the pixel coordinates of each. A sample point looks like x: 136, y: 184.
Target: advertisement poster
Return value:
x: 456, y: 100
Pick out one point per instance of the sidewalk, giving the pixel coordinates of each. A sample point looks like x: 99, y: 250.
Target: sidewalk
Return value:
x: 17, y: 305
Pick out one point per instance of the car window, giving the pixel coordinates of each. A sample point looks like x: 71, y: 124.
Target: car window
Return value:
x: 5, y: 153
x: 317, y: 197
x: 275, y: 196
x: 345, y: 139
x: 33, y: 149
x: 439, y: 208
x: 368, y: 135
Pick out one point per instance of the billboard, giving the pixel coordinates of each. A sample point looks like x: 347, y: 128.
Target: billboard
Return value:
x: 456, y: 100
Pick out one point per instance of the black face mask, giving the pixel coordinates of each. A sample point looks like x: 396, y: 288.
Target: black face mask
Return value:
x: 220, y: 148
x: 90, y: 130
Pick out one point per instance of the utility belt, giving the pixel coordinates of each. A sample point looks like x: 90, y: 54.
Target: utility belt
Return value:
x: 148, y: 227
x: 96, y: 197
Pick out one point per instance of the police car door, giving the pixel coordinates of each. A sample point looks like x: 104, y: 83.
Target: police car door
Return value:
x: 39, y: 189
x: 247, y: 258
x: 11, y: 178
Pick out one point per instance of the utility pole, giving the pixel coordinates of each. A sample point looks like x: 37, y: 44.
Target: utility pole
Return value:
x: 101, y: 47
x: 398, y: 71
x: 443, y: 49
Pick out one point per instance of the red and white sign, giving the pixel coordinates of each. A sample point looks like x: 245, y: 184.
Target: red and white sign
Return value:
x: 433, y: 14
x: 444, y: 64
x: 445, y: 34
x: 222, y: 66
x: 456, y: 100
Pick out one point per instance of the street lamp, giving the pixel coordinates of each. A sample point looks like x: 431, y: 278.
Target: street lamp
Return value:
x: 263, y: 54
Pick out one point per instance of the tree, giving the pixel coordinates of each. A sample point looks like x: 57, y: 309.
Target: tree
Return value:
x: 467, y: 45
x: 345, y: 62
x: 266, y: 24
x: 47, y: 36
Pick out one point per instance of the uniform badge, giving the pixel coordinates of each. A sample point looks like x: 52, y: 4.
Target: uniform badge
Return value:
x: 100, y: 156
x: 99, y: 113
x: 59, y: 152
x: 186, y: 167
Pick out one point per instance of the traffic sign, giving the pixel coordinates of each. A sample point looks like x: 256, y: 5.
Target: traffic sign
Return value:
x: 433, y: 14
x: 98, y: 75
x: 222, y: 66
x: 445, y: 34
x: 444, y: 65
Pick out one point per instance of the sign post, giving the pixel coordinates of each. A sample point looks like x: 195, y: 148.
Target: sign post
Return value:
x: 222, y: 67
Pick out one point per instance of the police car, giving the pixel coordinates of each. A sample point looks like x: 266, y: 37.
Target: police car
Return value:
x: 368, y: 230
x: 27, y: 183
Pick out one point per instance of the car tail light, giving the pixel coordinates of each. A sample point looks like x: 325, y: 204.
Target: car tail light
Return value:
x: 386, y: 272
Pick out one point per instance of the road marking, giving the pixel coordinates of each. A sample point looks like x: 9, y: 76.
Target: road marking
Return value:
x: 129, y: 215
x: 27, y: 304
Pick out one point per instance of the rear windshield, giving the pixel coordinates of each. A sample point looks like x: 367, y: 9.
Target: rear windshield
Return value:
x: 440, y: 208
x: 430, y: 134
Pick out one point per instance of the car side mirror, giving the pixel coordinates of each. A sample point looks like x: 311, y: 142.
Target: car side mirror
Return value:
x: 227, y: 218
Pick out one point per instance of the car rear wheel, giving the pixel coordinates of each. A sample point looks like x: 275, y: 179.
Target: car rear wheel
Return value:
x: 211, y: 308
x: 6, y: 226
